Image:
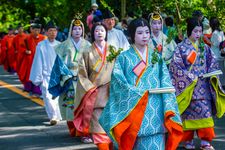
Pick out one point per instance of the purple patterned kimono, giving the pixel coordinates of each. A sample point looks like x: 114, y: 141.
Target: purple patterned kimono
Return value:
x: 196, y: 96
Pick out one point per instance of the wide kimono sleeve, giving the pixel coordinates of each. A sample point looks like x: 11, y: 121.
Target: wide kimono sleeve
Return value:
x: 85, y: 87
x: 85, y: 97
x: 84, y: 72
x: 183, y: 80
x: 36, y: 73
x: 172, y: 119
x: 124, y: 111
x: 60, y: 79
x: 216, y: 87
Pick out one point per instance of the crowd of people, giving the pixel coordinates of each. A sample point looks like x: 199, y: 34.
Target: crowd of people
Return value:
x: 154, y: 93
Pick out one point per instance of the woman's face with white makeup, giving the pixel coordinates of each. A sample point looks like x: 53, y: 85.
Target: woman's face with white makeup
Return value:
x: 99, y: 33
x: 156, y: 26
x: 142, y: 36
x: 77, y: 32
x: 196, y: 33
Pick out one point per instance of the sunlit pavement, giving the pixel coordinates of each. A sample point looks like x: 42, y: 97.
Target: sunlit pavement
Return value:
x: 24, y: 124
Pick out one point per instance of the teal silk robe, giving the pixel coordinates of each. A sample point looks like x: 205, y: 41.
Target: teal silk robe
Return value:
x: 125, y: 94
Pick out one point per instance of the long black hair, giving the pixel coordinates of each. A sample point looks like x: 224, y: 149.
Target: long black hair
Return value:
x: 191, y: 24
x: 93, y: 30
x: 214, y: 24
x: 134, y: 24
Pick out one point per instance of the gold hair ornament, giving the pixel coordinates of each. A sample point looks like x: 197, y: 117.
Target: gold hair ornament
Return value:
x: 155, y: 16
x: 77, y: 21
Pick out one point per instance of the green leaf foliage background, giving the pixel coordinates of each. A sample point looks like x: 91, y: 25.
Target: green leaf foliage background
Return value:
x: 13, y: 12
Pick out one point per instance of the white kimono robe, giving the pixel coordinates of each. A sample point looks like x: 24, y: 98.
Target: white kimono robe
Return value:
x: 40, y: 75
x: 117, y: 39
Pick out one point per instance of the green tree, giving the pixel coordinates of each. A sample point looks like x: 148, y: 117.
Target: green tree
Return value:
x: 61, y: 11
x: 186, y: 7
x: 13, y: 12
x: 11, y: 15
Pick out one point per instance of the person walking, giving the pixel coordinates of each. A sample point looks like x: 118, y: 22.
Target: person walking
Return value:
x: 27, y: 59
x: 63, y: 82
x: 115, y: 37
x: 216, y: 39
x: 93, y: 88
x: 19, y: 49
x: 8, y: 54
x: 44, y: 59
x: 134, y: 117
x: 200, y: 97
x: 159, y: 41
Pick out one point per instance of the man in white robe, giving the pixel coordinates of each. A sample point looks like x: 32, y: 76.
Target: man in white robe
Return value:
x: 115, y: 37
x: 41, y: 70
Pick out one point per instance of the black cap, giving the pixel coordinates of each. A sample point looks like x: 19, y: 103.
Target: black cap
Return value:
x: 10, y: 28
x: 107, y: 14
x: 197, y: 13
x: 19, y: 26
x: 50, y: 24
x: 97, y: 19
x: 36, y: 23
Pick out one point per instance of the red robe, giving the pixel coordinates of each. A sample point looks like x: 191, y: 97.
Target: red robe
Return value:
x: 8, y: 54
x: 19, y: 48
x: 1, y: 52
x: 27, y: 59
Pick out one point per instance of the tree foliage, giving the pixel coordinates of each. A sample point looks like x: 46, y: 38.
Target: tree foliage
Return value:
x: 11, y: 15
x: 13, y: 12
x: 61, y: 11
x: 182, y: 9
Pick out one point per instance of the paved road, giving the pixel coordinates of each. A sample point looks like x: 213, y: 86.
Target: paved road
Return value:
x: 24, y: 124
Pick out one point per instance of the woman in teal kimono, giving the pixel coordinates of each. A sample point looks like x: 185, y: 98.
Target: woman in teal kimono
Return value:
x: 142, y: 105
x: 64, y: 74
x: 194, y: 73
